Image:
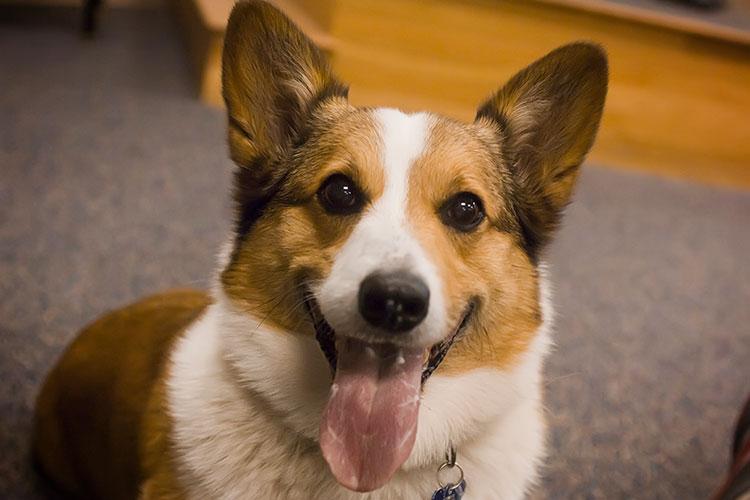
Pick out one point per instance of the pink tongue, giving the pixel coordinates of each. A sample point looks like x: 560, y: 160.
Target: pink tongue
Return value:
x: 370, y: 422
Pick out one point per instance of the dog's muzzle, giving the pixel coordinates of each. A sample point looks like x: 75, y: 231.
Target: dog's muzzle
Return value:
x: 326, y: 336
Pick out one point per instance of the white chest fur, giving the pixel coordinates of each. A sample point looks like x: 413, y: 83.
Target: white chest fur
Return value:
x: 246, y: 403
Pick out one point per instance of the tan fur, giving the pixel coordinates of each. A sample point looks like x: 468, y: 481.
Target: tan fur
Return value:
x: 100, y: 427
x: 157, y: 455
x: 297, y: 239
x: 486, y: 264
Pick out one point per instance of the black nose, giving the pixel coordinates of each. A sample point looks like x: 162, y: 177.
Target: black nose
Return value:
x: 396, y: 302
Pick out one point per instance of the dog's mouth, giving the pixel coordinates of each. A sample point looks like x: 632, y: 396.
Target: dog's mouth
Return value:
x: 369, y: 425
x: 326, y: 337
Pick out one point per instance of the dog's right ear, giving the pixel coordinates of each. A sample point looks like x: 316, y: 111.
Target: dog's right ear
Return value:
x: 272, y: 78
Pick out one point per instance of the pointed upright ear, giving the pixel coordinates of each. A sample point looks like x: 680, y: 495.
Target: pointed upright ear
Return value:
x: 272, y: 78
x: 547, y: 116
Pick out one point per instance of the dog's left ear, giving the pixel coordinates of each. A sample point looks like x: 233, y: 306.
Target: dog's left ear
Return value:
x: 272, y: 78
x: 547, y: 116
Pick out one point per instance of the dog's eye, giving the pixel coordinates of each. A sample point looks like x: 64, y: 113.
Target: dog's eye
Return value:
x: 463, y: 212
x: 339, y: 195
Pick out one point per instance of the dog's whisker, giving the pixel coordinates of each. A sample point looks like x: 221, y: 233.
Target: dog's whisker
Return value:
x: 549, y: 381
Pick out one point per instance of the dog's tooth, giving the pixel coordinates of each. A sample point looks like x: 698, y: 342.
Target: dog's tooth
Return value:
x: 400, y: 358
x: 371, y: 352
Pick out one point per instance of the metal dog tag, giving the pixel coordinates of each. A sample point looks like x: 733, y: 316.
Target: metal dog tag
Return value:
x: 450, y: 492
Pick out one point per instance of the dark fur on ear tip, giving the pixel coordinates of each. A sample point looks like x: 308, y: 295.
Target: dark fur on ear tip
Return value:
x: 273, y: 76
x: 547, y: 117
x: 580, y: 61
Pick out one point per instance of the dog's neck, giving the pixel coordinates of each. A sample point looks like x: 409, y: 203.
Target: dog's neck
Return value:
x: 246, y: 403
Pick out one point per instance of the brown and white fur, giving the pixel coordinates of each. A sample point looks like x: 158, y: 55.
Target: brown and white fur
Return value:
x: 187, y: 395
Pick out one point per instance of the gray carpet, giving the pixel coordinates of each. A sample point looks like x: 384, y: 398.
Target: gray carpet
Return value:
x: 113, y: 184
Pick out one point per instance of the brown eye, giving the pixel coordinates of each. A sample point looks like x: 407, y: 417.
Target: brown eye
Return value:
x: 339, y: 195
x: 462, y: 212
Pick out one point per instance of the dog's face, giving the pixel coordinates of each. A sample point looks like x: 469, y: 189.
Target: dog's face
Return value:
x: 407, y: 244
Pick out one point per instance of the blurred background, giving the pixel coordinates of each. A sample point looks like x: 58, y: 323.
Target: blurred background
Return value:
x: 114, y: 183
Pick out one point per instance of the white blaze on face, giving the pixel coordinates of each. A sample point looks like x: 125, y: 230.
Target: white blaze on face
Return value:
x: 383, y: 240
x: 369, y: 425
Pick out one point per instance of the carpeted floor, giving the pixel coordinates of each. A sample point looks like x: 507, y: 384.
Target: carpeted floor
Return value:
x: 113, y: 184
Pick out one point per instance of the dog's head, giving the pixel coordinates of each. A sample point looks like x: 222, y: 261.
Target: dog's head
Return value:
x: 405, y: 244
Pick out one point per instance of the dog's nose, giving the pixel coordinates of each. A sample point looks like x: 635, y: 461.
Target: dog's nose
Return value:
x: 396, y: 302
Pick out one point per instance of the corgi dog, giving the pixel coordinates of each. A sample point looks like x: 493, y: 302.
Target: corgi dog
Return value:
x: 381, y: 303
